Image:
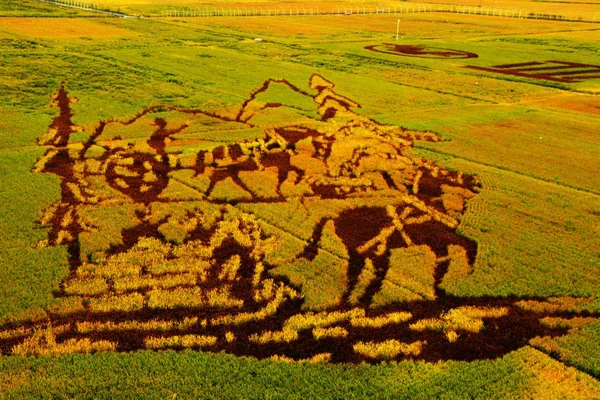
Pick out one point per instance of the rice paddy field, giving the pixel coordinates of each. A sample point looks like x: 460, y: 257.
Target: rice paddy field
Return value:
x: 213, y: 200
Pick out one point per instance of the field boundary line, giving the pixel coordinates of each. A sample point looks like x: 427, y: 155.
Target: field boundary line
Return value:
x: 537, y: 178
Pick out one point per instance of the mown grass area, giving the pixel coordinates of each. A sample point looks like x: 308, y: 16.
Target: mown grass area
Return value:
x: 533, y: 144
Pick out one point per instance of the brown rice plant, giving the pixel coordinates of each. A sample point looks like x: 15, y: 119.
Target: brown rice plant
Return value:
x: 284, y: 336
x: 388, y: 349
x: 311, y: 320
x: 85, y: 286
x: 178, y: 297
x: 185, y: 341
x: 378, y: 322
x: 124, y: 302
x: 335, y: 332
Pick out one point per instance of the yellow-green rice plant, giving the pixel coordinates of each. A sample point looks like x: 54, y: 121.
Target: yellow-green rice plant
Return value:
x: 228, y: 190
x: 267, y: 291
x: 145, y: 282
x: 110, y: 269
x: 258, y: 271
x: 262, y: 184
x: 378, y: 322
x: 320, y: 358
x: 555, y: 304
x: 93, y: 166
x: 222, y: 298
x: 66, y: 306
x: 121, y: 183
x: 85, y: 286
x: 152, y: 325
x: 311, y: 320
x: 185, y: 341
x: 364, y: 279
x: 452, y: 336
x: 63, y: 237
x: 193, y: 250
x: 388, y: 349
x: 458, y: 268
x: 85, y: 346
x: 178, y: 297
x: 230, y: 268
x: 285, y: 335
x: 470, y: 319
x: 283, y: 293
x: 569, y: 323
x: 43, y: 342
x: 181, y: 265
x: 123, y: 171
x: 49, y: 213
x: 477, y: 312
x: 15, y: 333
x: 124, y: 302
x: 432, y: 212
x: 41, y: 164
x: 429, y: 324
x: 146, y: 253
x: 464, y: 318
x: 410, y: 276
x: 30, y: 315
x: 335, y: 332
x: 415, y: 185
x: 150, y: 177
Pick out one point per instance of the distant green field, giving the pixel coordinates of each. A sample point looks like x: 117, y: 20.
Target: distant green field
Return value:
x: 248, y: 196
